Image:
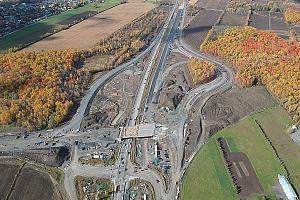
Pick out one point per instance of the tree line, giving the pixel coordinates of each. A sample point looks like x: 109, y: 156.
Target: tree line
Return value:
x: 261, y: 57
x: 39, y: 89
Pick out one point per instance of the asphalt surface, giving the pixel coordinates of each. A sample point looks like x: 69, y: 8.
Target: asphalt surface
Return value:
x: 123, y: 171
x: 123, y: 162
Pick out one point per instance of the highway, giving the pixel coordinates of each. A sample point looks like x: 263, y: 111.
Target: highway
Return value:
x: 123, y: 163
x: 138, y: 103
x: 118, y: 173
x: 222, y: 82
x: 123, y: 170
x: 203, y: 92
x: 74, y: 124
x: 163, y: 56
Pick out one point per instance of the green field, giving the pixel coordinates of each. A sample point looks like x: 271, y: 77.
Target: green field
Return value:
x: 207, y: 176
x: 35, y: 32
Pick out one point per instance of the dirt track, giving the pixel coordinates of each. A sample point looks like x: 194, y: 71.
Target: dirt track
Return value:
x: 241, y: 171
x: 89, y: 32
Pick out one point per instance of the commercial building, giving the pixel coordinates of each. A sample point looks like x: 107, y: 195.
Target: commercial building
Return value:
x: 287, y: 188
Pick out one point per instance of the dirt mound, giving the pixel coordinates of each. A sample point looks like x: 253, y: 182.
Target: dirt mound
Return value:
x: 174, y: 88
x: 53, y: 156
x: 227, y: 108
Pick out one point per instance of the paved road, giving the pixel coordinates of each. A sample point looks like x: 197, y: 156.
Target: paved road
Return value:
x: 222, y: 82
x: 164, y: 55
x: 75, y: 122
x: 123, y: 170
x: 203, y: 92
x: 147, y: 77
x: 123, y: 163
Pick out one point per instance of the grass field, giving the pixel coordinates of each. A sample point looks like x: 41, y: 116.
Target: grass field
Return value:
x: 36, y: 31
x: 207, y: 175
x: 206, y: 178
x: 274, y: 122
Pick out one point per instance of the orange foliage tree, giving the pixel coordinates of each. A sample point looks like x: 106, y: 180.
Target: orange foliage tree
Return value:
x: 262, y: 57
x: 37, y: 89
x: 292, y: 16
x: 201, y: 71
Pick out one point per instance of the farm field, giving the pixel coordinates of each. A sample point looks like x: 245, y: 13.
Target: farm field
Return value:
x: 230, y: 19
x: 247, y: 137
x: 89, y: 32
x: 259, y: 21
x: 212, y: 4
x: 198, y: 28
x: 7, y: 174
x: 207, y: 176
x: 38, y: 30
x: 272, y: 21
x: 274, y: 122
x: 40, y: 186
x: 38, y: 183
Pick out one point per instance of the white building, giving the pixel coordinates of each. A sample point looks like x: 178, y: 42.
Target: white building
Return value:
x: 95, y: 156
x: 287, y: 188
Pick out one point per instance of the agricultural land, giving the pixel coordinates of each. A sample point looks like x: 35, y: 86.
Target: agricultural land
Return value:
x: 92, y: 29
x: 153, y: 100
x: 246, y: 136
x: 44, y: 28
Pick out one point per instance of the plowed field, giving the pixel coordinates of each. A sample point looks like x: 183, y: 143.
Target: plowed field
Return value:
x: 89, y: 32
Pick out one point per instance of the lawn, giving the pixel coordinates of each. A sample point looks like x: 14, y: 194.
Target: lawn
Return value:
x: 37, y: 31
x: 207, y: 176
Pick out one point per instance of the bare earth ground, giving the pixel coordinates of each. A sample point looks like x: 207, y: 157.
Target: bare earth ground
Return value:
x: 7, y: 175
x: 89, y: 32
x: 212, y: 4
x: 112, y: 105
x: 38, y: 186
x: 224, y: 109
x: 230, y: 19
x: 176, y: 82
x: 229, y: 107
x: 174, y: 88
x: 30, y: 183
x: 276, y: 24
x: 241, y: 171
